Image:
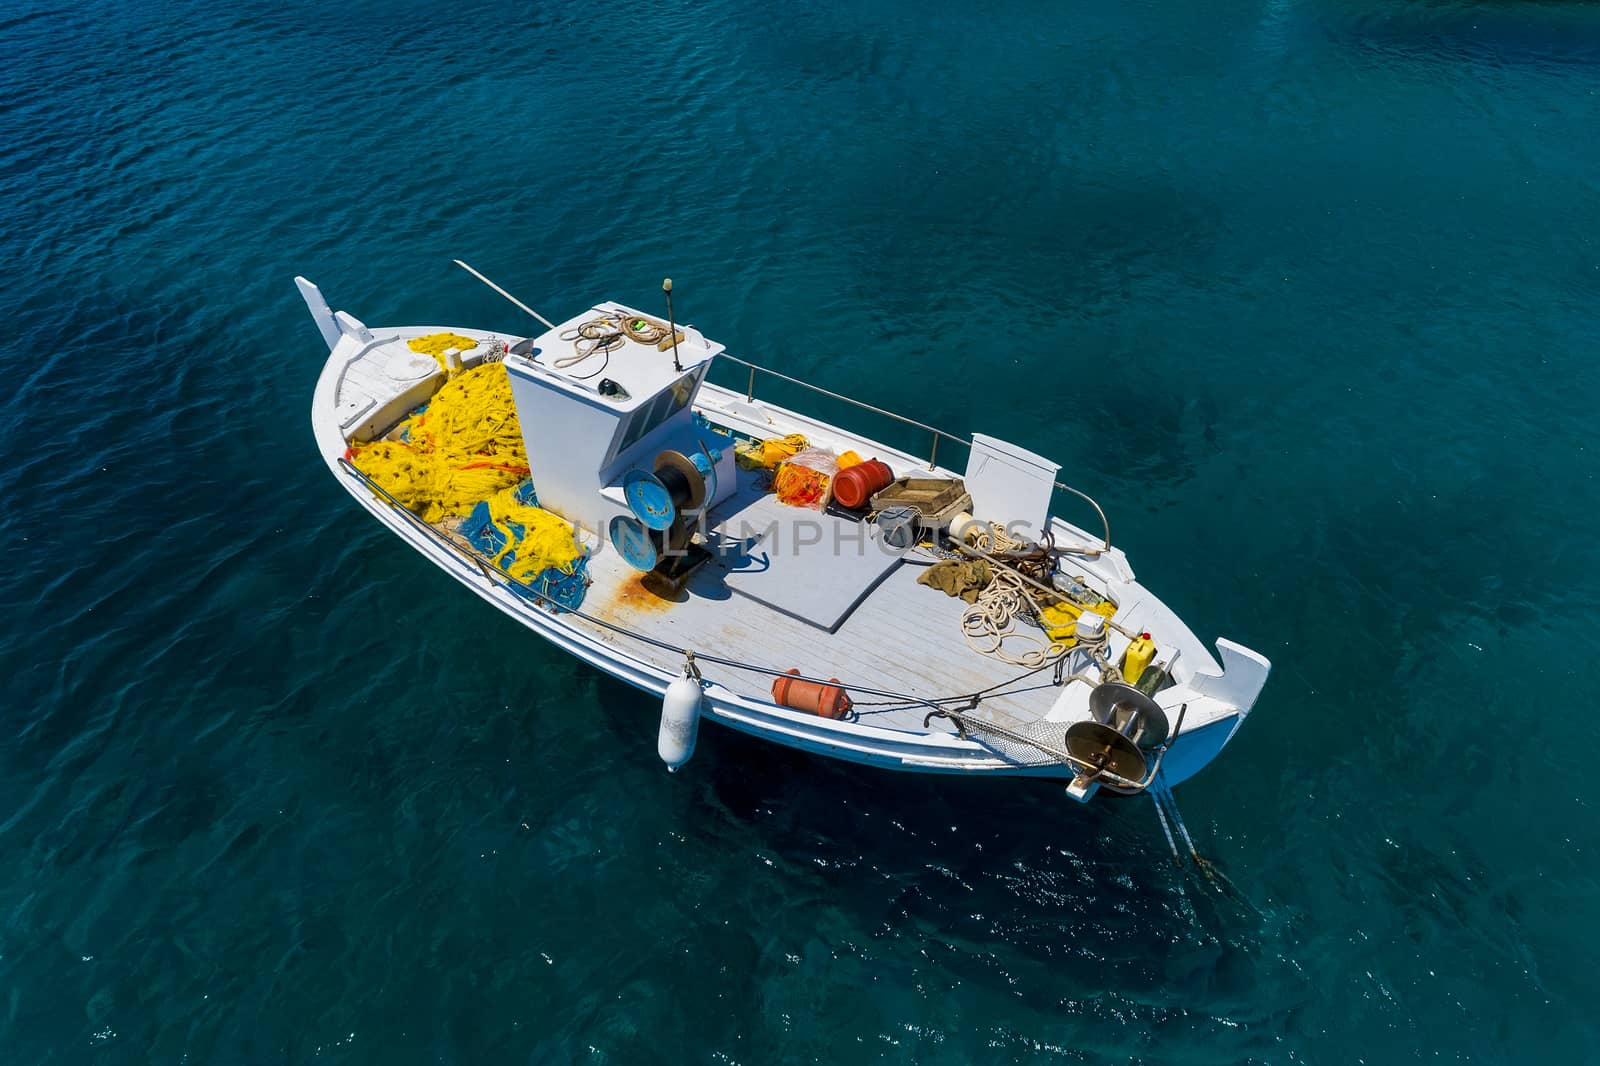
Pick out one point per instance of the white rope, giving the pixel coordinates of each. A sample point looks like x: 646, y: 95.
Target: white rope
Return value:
x: 990, y: 621
x: 1165, y: 794
x: 601, y: 334
x: 1177, y: 856
x: 993, y: 539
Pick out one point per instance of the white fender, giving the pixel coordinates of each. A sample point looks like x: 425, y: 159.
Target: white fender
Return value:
x: 680, y: 722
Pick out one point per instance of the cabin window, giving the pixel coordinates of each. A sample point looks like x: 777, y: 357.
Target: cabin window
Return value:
x: 664, y: 405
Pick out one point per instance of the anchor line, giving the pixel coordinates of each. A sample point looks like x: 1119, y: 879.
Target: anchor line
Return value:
x: 1166, y: 830
x: 1164, y: 795
x: 1167, y: 806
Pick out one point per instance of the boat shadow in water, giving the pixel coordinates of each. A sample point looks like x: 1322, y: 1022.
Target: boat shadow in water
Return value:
x: 1004, y: 888
x: 986, y: 857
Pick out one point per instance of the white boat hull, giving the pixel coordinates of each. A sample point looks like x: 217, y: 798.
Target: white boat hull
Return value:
x: 1212, y: 718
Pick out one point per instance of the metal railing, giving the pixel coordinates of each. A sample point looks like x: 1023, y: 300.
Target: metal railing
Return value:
x: 937, y: 433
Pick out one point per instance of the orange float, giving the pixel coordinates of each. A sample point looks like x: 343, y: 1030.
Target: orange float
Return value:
x: 829, y: 701
x: 854, y: 487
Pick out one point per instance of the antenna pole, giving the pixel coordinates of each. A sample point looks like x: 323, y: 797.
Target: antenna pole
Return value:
x: 666, y: 287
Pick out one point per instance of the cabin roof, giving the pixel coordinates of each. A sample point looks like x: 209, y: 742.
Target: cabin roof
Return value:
x: 643, y: 370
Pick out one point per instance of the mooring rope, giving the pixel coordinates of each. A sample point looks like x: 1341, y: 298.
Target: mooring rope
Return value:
x: 992, y: 619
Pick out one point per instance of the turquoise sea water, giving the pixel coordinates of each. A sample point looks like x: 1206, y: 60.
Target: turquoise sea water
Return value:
x: 1304, y: 291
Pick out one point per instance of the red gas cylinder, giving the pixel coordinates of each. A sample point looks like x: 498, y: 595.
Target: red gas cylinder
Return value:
x: 830, y: 701
x: 854, y: 486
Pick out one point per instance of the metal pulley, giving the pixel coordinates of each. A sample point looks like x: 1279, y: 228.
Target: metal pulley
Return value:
x: 1125, y: 724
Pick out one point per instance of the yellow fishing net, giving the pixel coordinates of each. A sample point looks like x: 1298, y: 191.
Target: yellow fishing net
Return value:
x: 465, y: 446
x: 767, y: 454
x: 435, y: 344
x: 546, y: 539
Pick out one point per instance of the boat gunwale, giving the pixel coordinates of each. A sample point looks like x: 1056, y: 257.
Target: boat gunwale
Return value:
x: 899, y: 749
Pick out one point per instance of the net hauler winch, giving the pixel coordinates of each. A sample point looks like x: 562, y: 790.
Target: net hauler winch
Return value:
x: 1124, y: 726
x: 656, y: 538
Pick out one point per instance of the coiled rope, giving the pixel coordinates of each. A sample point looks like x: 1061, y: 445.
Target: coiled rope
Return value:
x: 604, y: 334
x: 990, y: 621
x: 643, y: 330
x: 601, y: 335
x: 1011, y: 595
x: 993, y: 539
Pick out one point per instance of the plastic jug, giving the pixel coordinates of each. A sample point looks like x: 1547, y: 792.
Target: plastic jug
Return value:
x: 1138, y: 656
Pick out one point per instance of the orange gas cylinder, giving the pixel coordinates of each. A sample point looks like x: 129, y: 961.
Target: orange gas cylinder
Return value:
x: 853, y: 487
x: 830, y: 701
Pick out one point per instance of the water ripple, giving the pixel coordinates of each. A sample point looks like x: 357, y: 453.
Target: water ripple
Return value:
x: 1302, y: 292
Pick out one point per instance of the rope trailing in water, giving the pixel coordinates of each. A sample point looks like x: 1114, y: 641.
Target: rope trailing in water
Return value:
x: 1166, y: 830
x: 1167, y: 806
x: 465, y: 445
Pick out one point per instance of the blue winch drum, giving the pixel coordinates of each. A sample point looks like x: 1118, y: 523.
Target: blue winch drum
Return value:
x: 649, y: 499
x: 690, y: 480
x: 633, y: 542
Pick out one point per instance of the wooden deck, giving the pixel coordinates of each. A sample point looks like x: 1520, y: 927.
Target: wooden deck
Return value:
x: 895, y: 635
x: 902, y: 637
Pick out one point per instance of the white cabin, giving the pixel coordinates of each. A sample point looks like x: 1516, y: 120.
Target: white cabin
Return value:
x: 589, y: 419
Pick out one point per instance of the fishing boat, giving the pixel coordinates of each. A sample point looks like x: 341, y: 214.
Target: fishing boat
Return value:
x: 751, y: 565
